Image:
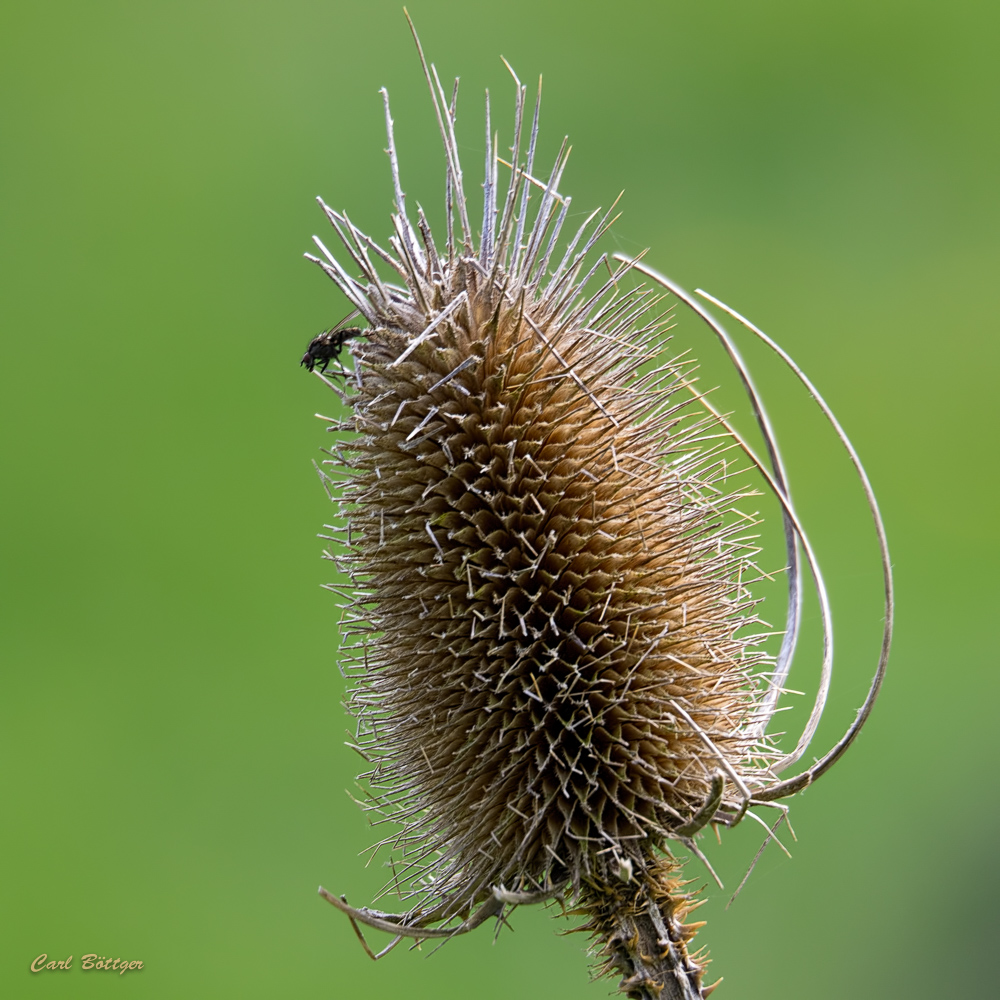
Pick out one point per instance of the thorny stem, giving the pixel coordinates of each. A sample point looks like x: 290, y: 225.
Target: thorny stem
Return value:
x: 640, y: 933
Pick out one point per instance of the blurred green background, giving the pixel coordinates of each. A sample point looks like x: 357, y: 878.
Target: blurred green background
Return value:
x: 173, y: 786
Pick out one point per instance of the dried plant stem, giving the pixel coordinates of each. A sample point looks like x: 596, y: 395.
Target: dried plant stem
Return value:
x: 641, y: 934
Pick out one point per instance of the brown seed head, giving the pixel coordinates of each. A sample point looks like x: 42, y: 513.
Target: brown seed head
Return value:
x: 550, y: 584
x: 542, y: 537
x: 553, y: 644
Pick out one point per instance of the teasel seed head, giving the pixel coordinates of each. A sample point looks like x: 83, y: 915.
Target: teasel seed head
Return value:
x: 556, y: 656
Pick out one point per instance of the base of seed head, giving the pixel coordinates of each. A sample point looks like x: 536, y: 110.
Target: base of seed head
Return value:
x: 327, y: 347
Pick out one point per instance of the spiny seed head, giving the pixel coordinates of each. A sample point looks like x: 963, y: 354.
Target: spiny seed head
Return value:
x: 555, y: 657
x: 550, y: 580
x: 549, y: 613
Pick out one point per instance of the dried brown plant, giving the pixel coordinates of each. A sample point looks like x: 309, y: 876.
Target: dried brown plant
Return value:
x: 556, y: 656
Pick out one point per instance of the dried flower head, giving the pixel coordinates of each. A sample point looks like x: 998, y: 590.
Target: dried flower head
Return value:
x: 554, y: 644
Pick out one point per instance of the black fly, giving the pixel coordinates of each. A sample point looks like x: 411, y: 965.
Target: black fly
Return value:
x: 327, y: 346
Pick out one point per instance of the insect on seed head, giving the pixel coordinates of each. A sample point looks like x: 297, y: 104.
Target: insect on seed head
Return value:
x: 327, y: 347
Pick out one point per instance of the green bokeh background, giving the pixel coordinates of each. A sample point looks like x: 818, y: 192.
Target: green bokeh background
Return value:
x: 173, y: 787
